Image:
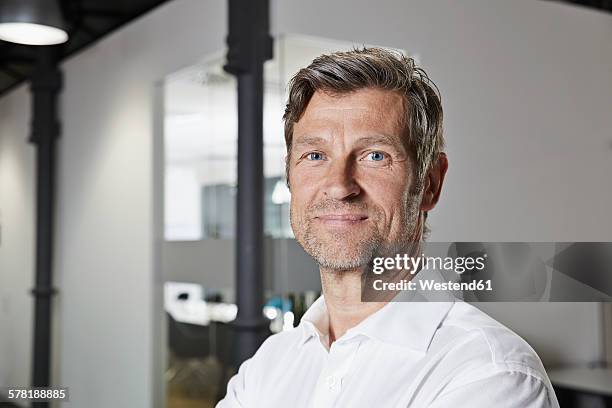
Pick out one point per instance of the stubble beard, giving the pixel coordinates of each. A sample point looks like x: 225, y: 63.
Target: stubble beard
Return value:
x: 353, y: 249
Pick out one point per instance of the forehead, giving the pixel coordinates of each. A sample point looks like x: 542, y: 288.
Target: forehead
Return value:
x: 367, y: 109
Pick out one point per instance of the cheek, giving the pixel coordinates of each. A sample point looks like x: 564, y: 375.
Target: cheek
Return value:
x: 303, y: 184
x: 393, y: 201
x: 387, y: 192
x: 302, y: 193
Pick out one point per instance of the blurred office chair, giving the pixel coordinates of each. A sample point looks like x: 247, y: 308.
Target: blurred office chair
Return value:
x: 190, y: 349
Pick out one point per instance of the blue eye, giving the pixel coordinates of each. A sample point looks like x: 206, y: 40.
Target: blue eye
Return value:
x: 376, y: 156
x: 315, y: 156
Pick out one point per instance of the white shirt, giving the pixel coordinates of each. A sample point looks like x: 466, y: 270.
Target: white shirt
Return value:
x: 414, y: 354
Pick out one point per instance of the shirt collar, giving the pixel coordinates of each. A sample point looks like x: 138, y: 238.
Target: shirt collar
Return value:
x: 410, y: 320
x: 315, y: 322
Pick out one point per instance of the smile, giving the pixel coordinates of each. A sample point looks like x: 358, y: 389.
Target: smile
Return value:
x: 342, y: 219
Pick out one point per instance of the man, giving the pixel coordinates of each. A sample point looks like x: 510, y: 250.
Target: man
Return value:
x: 365, y: 164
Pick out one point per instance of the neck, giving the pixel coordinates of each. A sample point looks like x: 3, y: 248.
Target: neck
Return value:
x: 342, y: 293
x: 342, y: 290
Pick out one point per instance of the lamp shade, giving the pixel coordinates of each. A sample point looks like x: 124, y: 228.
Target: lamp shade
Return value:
x: 32, y: 22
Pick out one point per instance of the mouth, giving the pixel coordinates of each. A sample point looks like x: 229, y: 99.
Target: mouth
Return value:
x: 342, y: 220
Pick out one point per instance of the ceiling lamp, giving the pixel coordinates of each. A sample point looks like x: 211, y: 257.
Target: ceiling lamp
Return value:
x: 32, y: 22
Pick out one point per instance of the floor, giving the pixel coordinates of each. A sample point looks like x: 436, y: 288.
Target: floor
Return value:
x: 179, y: 398
x: 193, y: 383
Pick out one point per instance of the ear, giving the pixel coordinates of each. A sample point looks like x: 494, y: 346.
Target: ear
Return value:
x: 433, y: 182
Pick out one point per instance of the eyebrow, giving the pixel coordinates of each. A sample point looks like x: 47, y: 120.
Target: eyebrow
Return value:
x: 380, y: 139
x: 310, y: 141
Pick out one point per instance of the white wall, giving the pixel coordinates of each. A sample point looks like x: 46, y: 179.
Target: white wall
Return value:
x: 513, y: 74
x: 105, y: 258
x: 16, y: 239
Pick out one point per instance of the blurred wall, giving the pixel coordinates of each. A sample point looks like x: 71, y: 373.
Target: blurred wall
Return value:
x: 510, y: 73
x: 16, y: 239
x: 110, y: 342
x: 108, y: 345
x: 211, y: 263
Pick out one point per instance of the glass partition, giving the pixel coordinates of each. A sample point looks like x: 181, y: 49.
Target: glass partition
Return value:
x: 200, y: 155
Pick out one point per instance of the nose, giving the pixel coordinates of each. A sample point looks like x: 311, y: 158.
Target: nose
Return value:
x: 340, y: 183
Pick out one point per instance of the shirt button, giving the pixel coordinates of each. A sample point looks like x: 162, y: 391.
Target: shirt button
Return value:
x: 332, y: 382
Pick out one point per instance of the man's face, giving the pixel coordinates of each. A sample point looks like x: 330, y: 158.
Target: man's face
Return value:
x: 352, y: 178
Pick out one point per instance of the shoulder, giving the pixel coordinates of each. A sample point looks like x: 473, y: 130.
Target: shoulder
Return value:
x: 474, y: 334
x: 280, y: 344
x: 477, y: 352
x: 269, y: 358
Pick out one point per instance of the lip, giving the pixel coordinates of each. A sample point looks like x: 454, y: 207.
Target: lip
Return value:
x: 342, y: 219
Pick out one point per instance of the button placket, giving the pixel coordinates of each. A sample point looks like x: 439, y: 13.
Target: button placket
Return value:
x: 330, y: 384
x: 341, y: 358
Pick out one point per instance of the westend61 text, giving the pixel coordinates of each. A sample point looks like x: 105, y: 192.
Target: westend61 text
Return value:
x: 431, y: 285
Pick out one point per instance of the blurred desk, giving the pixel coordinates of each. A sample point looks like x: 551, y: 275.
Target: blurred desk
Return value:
x: 201, y: 312
x: 571, y: 383
x: 185, y: 303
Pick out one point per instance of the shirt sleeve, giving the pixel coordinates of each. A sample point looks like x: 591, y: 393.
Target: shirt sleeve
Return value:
x: 237, y: 395
x: 501, y: 390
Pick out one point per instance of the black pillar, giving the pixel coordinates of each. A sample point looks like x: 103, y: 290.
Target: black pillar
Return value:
x: 249, y: 46
x: 45, y: 87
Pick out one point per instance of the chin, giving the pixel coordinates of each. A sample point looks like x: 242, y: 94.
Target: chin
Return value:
x: 334, y: 254
x: 340, y: 264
